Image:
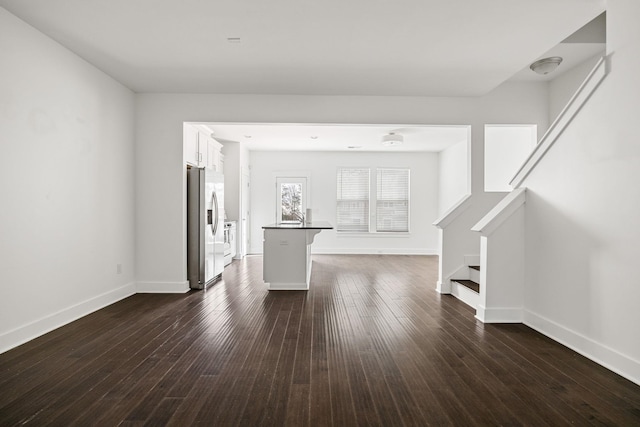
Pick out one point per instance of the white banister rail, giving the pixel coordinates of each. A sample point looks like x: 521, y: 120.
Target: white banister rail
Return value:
x: 453, y: 212
x: 592, y: 81
x: 503, y: 210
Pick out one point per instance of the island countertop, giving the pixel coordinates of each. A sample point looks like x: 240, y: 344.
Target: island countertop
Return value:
x: 315, y: 225
x: 287, y: 254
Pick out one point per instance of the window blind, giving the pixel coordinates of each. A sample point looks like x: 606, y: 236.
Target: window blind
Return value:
x: 392, y: 200
x: 353, y: 200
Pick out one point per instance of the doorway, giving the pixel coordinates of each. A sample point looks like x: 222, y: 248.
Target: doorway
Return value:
x: 291, y: 198
x: 245, y: 210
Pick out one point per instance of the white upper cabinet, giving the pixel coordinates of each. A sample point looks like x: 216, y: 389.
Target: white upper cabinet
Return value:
x: 203, y: 149
x: 214, y: 155
x: 200, y: 149
x: 190, y: 145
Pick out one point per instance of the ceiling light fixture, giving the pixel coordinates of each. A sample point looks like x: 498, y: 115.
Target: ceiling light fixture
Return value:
x: 546, y: 65
x: 392, y: 140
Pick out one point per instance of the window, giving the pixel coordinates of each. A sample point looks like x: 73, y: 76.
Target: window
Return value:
x: 389, y: 195
x: 353, y: 200
x: 392, y: 200
x: 291, y: 202
x: 291, y: 193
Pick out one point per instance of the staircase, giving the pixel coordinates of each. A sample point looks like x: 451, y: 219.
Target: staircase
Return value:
x: 467, y: 289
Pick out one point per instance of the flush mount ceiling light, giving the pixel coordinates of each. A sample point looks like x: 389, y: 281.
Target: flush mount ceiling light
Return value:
x: 392, y: 140
x: 546, y: 65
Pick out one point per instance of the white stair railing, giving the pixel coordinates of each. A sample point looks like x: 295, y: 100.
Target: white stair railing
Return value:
x: 591, y: 82
x: 502, y: 261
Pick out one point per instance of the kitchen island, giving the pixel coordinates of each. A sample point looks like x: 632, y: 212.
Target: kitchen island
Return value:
x: 287, y: 254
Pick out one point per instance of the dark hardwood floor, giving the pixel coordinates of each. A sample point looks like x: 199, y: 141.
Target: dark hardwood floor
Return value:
x: 371, y: 343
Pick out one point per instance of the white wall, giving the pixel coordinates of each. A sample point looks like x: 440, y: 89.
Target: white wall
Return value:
x: 506, y: 147
x: 161, y: 240
x: 236, y: 163
x: 231, y: 152
x: 582, y: 222
x: 454, y: 180
x: 66, y: 179
x: 322, y: 168
x: 562, y: 88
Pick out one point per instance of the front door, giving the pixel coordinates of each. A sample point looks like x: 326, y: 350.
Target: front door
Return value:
x: 291, y: 199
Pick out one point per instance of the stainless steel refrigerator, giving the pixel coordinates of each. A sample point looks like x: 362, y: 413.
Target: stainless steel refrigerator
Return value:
x: 205, y: 227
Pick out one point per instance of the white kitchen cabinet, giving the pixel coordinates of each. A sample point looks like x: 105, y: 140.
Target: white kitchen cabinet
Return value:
x: 286, y: 254
x: 190, y: 145
x: 214, y: 155
x: 203, y: 149
x: 230, y: 248
x: 200, y: 149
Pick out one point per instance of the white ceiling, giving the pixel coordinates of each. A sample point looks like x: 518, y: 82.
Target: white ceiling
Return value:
x: 587, y: 42
x: 572, y: 54
x: 329, y: 47
x: 337, y: 137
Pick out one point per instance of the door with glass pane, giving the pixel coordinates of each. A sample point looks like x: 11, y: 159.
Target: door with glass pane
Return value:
x: 291, y: 199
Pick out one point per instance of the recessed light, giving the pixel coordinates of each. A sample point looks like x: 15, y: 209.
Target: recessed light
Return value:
x: 248, y: 136
x: 314, y: 137
x: 233, y: 39
x: 354, y: 147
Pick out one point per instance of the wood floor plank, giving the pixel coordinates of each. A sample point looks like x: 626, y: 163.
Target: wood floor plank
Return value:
x: 320, y: 391
x: 538, y: 382
x: 298, y: 404
x: 370, y: 344
x: 497, y: 372
x: 574, y: 391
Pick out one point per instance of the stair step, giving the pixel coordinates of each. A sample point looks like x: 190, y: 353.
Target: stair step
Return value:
x: 474, y: 273
x: 475, y: 287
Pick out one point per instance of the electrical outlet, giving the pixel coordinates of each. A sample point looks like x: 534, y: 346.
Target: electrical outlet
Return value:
x: 119, y: 268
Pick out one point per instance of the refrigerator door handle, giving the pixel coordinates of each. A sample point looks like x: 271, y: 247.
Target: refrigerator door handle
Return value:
x: 215, y: 205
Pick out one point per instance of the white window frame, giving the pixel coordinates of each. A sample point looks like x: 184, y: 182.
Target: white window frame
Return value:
x: 339, y: 192
x: 378, y: 200
x: 297, y: 177
x: 373, y: 202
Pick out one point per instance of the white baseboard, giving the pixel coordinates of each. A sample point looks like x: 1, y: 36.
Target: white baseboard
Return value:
x: 373, y: 251
x: 288, y: 286
x: 162, y: 287
x: 599, y: 353
x: 365, y: 251
x: 32, y: 330
x: 443, y: 287
x: 499, y: 314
